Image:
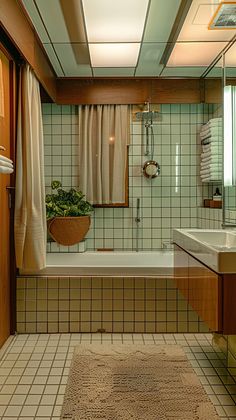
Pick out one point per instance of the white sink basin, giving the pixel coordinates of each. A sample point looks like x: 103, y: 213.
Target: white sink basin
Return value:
x: 215, y: 248
x: 215, y: 238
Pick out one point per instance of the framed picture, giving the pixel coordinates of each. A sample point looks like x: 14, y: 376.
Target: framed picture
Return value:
x: 224, y: 17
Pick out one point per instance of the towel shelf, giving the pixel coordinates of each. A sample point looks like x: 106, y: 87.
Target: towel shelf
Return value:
x: 211, y: 156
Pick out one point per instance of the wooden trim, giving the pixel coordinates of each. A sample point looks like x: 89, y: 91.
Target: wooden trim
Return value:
x: 5, y: 132
x: 202, y: 90
x: 13, y: 112
x: 101, y: 91
x: 45, y: 98
x: 231, y: 82
x: 175, y: 91
x: 80, y: 91
x: 213, y: 91
x: 43, y: 71
x: 27, y: 43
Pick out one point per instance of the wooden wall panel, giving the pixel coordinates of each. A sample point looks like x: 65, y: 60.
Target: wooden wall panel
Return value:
x: 127, y: 91
x: 165, y: 91
x: 102, y: 91
x: 43, y: 70
x: 213, y: 91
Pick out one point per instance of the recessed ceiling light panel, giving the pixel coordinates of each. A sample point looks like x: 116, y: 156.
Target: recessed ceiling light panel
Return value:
x: 114, y: 55
x: 115, y: 21
x: 194, y: 54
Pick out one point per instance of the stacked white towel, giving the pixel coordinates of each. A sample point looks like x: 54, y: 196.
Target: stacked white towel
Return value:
x: 6, y: 165
x: 211, y: 157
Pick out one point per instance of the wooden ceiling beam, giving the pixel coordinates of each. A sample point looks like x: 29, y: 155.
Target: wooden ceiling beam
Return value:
x: 135, y: 91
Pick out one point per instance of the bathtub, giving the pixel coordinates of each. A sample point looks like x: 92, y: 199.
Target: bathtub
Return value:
x: 155, y: 263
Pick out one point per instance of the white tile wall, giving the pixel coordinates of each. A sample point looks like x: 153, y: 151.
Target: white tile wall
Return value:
x: 167, y: 202
x: 209, y: 218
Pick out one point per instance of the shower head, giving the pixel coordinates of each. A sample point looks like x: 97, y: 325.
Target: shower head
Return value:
x: 147, y: 115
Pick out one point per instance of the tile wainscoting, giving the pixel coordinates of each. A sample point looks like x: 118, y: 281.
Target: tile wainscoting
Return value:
x: 114, y: 304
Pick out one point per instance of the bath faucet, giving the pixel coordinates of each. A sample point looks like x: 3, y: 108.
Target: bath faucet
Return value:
x: 167, y: 245
x: 138, y: 218
x: 228, y: 225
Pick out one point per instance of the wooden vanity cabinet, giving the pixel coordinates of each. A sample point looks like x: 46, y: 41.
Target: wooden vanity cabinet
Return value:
x: 229, y: 304
x: 181, y: 270
x: 204, y: 294
x: 211, y: 295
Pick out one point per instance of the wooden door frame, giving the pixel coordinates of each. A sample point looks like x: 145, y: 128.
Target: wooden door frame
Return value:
x: 13, y: 119
x: 13, y: 113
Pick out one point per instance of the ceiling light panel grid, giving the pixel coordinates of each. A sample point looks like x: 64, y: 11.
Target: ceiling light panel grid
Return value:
x: 85, y: 38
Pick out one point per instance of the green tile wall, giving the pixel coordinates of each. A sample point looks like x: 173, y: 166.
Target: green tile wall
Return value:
x: 167, y: 202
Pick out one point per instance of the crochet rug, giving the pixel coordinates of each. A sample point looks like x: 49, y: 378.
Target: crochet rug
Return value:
x: 151, y: 382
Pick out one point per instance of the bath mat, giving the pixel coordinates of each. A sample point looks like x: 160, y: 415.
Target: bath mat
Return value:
x: 110, y: 382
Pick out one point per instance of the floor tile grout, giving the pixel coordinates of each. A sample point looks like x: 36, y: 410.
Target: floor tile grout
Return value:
x: 34, y: 369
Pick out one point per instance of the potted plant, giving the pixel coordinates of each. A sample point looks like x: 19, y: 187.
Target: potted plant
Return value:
x: 68, y: 215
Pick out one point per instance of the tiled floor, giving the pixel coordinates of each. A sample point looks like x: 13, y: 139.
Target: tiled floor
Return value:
x: 34, y: 370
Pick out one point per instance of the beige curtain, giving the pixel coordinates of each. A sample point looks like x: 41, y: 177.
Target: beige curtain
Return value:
x: 30, y: 215
x: 103, y: 140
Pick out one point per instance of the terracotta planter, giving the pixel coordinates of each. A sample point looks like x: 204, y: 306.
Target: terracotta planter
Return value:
x: 68, y: 230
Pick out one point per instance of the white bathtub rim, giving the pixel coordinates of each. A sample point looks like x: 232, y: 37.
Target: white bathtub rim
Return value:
x: 105, y: 264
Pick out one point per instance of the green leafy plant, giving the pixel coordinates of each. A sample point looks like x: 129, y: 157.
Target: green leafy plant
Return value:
x: 66, y: 203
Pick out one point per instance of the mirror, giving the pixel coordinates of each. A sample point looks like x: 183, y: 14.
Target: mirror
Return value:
x: 229, y: 211
x: 151, y: 169
x: 212, y: 109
